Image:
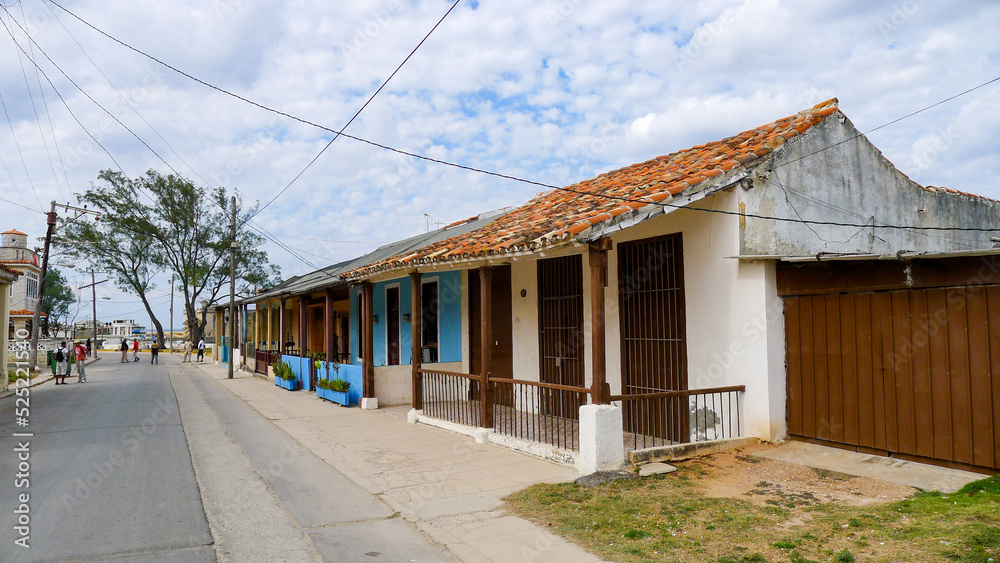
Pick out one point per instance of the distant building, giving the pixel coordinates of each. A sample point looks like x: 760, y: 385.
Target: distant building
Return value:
x: 22, y: 295
x: 122, y: 327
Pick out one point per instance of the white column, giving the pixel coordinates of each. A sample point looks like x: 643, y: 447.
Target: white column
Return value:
x: 601, y: 447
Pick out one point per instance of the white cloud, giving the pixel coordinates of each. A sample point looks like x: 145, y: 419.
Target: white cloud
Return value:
x: 551, y: 90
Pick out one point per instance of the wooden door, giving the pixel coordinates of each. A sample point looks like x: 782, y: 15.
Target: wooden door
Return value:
x: 913, y: 373
x: 392, y: 325
x: 653, y: 335
x: 561, y: 339
x: 502, y: 359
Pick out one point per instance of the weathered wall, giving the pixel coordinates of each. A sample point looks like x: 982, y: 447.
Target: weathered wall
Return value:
x: 831, y: 173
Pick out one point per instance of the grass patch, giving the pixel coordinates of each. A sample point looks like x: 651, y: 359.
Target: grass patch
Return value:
x: 668, y: 518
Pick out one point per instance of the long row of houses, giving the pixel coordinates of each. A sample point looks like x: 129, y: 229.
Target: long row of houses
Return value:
x: 785, y: 281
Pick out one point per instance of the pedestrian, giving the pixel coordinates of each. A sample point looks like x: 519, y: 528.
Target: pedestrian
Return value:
x: 81, y: 359
x: 135, y: 350
x: 154, y: 352
x: 62, y: 363
x: 89, y: 348
x: 201, y: 349
x: 124, y: 350
x: 188, y: 346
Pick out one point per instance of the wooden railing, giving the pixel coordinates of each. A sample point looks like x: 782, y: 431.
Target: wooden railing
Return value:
x: 264, y: 358
x: 548, y: 413
x: 677, y: 417
x: 452, y: 396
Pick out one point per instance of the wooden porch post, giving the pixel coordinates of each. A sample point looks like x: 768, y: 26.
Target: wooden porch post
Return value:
x: 270, y: 328
x: 328, y: 328
x: 303, y: 326
x: 368, y: 366
x: 282, y: 337
x: 256, y: 328
x: 486, y: 344
x: 415, y: 318
x: 599, y: 391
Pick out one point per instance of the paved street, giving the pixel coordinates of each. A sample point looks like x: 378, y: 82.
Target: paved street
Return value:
x: 145, y: 463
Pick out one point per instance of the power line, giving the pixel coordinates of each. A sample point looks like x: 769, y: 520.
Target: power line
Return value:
x: 122, y: 96
x: 357, y: 113
x: 66, y: 105
x: 34, y: 108
x: 542, y: 184
x: 22, y: 206
x: 89, y: 97
x: 897, y: 120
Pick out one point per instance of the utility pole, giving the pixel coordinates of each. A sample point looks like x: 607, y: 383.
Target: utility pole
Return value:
x: 93, y: 299
x: 93, y: 296
x: 232, y: 283
x: 172, y: 276
x: 50, y: 219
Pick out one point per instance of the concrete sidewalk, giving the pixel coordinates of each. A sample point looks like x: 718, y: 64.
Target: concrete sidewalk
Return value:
x: 446, y: 484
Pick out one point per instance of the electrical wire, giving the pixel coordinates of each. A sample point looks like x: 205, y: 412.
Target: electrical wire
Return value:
x: 122, y: 96
x: 357, y: 113
x: 34, y: 108
x: 551, y: 186
x: 22, y: 206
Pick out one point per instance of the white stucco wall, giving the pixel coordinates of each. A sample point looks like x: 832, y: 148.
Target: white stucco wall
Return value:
x: 394, y: 384
x: 832, y: 173
x: 734, y: 324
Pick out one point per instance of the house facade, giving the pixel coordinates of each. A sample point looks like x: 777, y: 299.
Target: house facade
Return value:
x: 22, y: 294
x: 8, y: 277
x: 662, y: 290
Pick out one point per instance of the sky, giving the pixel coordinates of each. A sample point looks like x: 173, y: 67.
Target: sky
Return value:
x: 554, y: 91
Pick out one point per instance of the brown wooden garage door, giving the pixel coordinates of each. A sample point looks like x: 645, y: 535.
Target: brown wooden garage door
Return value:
x: 913, y: 373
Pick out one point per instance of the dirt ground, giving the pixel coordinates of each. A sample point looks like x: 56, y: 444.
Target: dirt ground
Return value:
x: 740, y: 475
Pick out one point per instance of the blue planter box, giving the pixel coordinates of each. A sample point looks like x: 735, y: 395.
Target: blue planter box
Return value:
x: 342, y: 398
x: 285, y: 384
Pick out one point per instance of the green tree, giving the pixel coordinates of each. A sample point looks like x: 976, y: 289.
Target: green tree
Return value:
x: 158, y: 222
x: 56, y: 302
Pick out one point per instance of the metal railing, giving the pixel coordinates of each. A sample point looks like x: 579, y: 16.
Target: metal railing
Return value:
x: 264, y: 358
x: 452, y: 396
x: 678, y: 417
x: 547, y: 413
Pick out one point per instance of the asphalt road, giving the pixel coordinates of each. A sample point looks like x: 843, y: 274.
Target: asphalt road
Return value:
x: 161, y: 463
x: 110, y: 472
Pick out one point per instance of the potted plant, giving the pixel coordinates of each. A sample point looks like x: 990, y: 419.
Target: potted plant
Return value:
x: 338, y: 389
x: 284, y: 377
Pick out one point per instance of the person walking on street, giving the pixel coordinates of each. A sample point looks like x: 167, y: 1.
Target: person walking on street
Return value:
x: 62, y: 363
x: 154, y: 353
x: 201, y: 349
x: 135, y: 350
x: 89, y: 348
x: 187, y: 351
x: 81, y: 359
x: 124, y: 350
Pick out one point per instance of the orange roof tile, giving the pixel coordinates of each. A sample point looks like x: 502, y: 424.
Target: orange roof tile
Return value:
x: 24, y: 313
x: 13, y: 232
x: 554, y: 216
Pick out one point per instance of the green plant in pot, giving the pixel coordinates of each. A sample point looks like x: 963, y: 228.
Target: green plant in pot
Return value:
x: 339, y: 385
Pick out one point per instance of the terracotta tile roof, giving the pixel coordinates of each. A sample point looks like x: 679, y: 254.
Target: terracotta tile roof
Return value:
x: 9, y: 270
x: 937, y: 189
x: 13, y: 232
x: 555, y: 216
x: 23, y: 313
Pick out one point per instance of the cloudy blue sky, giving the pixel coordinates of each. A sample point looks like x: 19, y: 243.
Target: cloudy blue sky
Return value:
x: 556, y: 91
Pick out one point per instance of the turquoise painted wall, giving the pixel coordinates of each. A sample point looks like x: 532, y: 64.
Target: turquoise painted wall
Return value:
x: 450, y: 318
